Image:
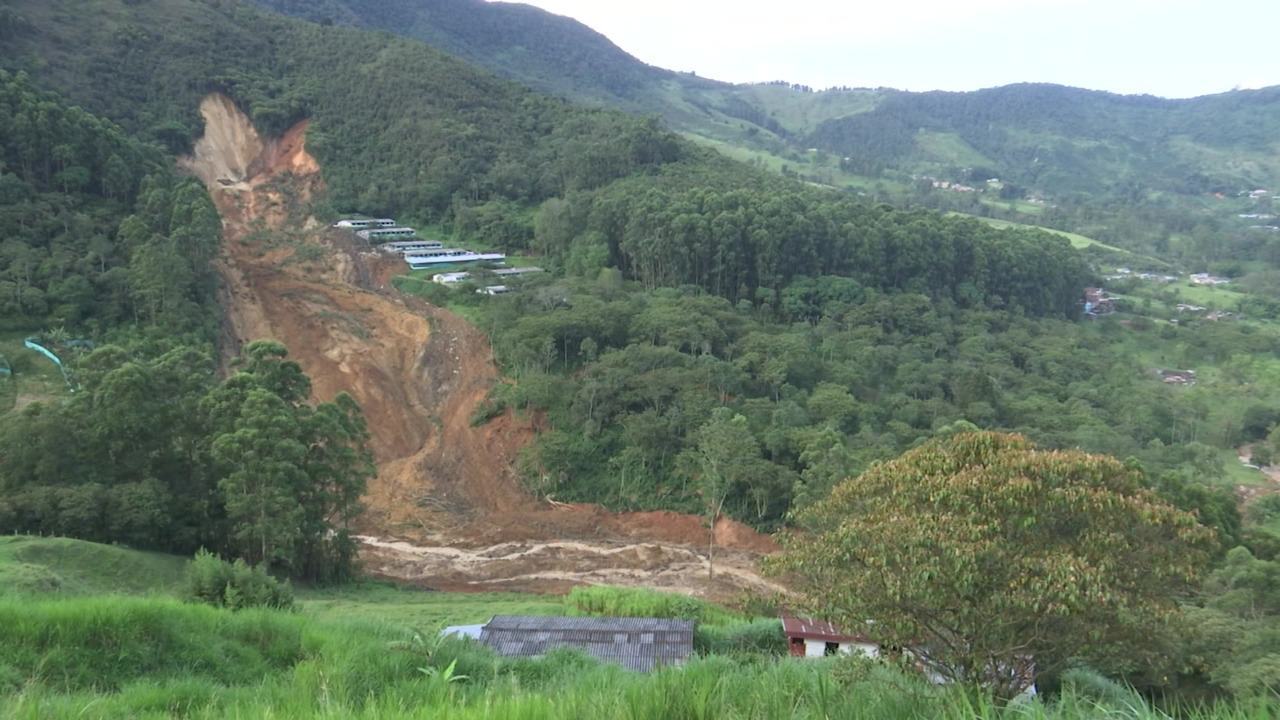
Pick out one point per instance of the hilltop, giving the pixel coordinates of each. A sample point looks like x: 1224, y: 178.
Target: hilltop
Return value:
x: 1044, y: 139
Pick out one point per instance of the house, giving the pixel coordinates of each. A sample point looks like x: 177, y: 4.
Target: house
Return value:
x: 639, y: 644
x: 1177, y: 377
x: 810, y: 638
x: 1207, y: 279
x: 378, y: 234
x: 404, y: 247
x: 1097, y: 302
x: 361, y: 224
x: 807, y: 637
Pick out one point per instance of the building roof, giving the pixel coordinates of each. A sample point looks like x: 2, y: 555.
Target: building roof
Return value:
x: 639, y: 644
x: 812, y: 629
x: 463, y: 631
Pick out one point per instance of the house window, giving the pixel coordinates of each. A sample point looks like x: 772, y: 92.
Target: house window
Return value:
x: 797, y: 647
x: 831, y: 649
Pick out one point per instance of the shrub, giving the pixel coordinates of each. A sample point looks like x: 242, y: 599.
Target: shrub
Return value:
x: 759, y: 637
x: 237, y: 585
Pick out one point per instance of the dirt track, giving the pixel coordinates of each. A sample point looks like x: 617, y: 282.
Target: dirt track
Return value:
x: 446, y: 508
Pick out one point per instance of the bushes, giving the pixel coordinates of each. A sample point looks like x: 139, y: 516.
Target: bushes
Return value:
x: 219, y: 583
x: 761, y: 636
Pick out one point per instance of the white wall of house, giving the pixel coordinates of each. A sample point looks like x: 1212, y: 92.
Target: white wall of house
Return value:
x: 818, y: 648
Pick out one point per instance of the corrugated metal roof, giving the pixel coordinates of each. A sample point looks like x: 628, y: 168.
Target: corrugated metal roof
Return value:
x: 639, y: 644
x: 463, y: 631
x: 813, y: 629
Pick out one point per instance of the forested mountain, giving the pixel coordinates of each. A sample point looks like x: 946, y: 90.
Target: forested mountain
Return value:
x: 1057, y: 140
x: 553, y: 54
x: 402, y: 128
x: 1043, y: 139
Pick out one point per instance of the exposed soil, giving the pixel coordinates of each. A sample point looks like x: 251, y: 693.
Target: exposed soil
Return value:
x: 446, y: 508
x: 1246, y: 493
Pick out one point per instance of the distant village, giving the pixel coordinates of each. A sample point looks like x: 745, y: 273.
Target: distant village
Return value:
x: 389, y: 236
x: 1098, y: 303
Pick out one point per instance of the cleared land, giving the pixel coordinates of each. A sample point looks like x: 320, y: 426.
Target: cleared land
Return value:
x: 1077, y: 241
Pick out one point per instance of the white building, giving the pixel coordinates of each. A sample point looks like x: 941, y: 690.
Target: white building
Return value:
x: 807, y: 637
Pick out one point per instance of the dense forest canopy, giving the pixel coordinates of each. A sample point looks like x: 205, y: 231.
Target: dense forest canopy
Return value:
x: 551, y: 53
x: 410, y: 130
x: 96, y: 229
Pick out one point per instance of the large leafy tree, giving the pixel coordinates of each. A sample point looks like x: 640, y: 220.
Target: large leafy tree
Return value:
x: 292, y: 475
x: 726, y: 456
x: 996, y: 562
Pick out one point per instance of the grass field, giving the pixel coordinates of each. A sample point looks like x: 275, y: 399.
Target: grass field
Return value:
x: 408, y: 607
x: 1077, y: 241
x: 828, y: 174
x: 120, y: 657
x: 951, y: 149
x: 73, y: 567
x: 371, y: 650
x: 1210, y: 296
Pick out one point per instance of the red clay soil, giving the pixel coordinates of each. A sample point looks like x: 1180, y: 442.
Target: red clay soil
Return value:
x: 444, y: 487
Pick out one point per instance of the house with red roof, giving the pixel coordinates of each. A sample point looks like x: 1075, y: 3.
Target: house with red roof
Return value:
x: 809, y: 637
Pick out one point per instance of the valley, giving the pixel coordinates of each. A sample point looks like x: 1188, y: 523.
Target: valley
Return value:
x: 444, y: 487
x: 989, y: 380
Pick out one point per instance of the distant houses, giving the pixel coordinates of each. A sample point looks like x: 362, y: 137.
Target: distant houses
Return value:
x: 391, y: 237
x: 1177, y: 377
x: 1207, y: 279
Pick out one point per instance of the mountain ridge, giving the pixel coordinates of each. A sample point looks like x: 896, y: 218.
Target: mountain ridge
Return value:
x: 1047, y: 138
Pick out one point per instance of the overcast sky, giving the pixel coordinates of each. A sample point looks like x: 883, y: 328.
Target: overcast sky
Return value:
x: 1173, y: 48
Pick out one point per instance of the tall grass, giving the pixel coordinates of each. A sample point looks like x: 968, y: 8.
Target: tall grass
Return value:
x: 639, y: 602
x: 75, y: 567
x: 148, y: 658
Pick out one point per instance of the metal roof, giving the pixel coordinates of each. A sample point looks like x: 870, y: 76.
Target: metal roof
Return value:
x: 463, y: 631
x: 639, y: 644
x: 813, y: 629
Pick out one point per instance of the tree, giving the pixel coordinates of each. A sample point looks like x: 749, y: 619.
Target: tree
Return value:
x: 996, y: 562
x: 265, y: 454
x: 725, y: 457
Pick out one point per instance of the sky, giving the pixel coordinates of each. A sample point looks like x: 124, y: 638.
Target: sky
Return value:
x: 1171, y: 48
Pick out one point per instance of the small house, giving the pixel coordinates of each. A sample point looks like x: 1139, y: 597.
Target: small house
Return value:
x: 807, y: 637
x: 639, y: 644
x: 1177, y: 377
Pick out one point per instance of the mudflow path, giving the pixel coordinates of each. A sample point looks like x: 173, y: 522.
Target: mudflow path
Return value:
x: 446, y: 509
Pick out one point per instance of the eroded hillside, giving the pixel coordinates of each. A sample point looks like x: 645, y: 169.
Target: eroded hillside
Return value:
x: 446, y: 507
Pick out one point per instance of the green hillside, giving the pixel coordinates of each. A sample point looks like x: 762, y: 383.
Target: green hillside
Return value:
x: 709, y: 337
x: 74, y: 567
x: 1057, y: 140
x: 1044, y: 139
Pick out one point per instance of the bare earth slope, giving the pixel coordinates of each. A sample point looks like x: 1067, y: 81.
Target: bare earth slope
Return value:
x: 446, y: 508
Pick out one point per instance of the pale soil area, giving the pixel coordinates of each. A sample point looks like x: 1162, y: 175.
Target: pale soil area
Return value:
x: 1248, y: 492
x: 446, y: 508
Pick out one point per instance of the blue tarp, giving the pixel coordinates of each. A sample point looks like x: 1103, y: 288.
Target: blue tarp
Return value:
x: 43, y: 351
x: 30, y: 342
